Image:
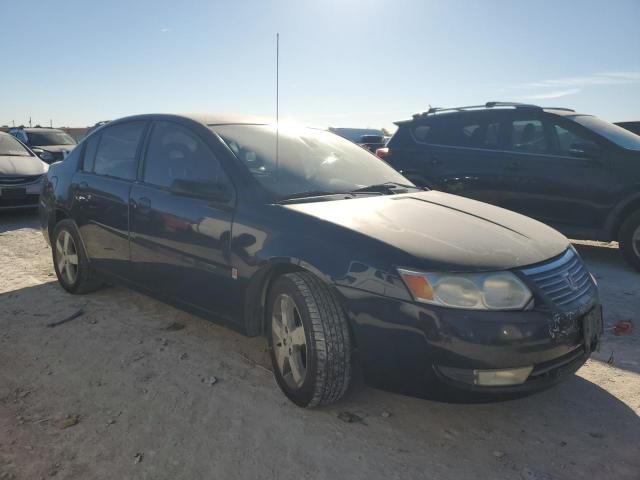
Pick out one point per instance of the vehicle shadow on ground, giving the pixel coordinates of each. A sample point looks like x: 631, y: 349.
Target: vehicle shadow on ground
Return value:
x: 18, y: 219
x: 576, y: 410
x: 534, y: 430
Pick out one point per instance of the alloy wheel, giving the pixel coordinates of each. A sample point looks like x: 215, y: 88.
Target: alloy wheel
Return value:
x: 289, y: 341
x: 67, y: 257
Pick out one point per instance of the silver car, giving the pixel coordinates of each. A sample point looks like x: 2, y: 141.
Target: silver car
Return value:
x: 21, y: 174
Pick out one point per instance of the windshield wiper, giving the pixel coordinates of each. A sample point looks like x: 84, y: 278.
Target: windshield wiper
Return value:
x: 311, y: 195
x: 387, y: 187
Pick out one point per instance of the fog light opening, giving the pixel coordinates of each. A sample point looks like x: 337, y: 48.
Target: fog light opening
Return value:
x: 508, y: 376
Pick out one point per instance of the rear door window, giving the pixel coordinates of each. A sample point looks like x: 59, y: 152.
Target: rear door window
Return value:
x: 116, y: 155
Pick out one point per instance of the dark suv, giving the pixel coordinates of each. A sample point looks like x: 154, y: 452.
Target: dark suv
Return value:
x: 575, y: 172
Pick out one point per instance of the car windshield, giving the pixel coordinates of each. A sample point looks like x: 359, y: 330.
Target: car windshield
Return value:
x: 9, y: 146
x: 308, y: 160
x: 50, y: 138
x: 616, y: 134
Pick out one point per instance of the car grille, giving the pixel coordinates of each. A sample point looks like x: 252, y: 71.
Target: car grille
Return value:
x: 563, y: 281
x: 17, y: 180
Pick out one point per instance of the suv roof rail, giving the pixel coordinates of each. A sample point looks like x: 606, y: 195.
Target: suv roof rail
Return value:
x: 494, y: 104
x: 564, y: 109
x: 510, y: 104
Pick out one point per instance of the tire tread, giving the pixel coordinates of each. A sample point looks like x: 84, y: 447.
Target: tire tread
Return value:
x: 330, y: 333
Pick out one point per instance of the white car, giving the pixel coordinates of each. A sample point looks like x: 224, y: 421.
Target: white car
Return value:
x: 21, y: 174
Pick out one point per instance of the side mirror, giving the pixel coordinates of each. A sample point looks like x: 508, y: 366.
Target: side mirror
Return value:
x: 585, y: 150
x: 216, y: 192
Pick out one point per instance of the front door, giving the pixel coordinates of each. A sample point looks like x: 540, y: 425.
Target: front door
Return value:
x: 180, y: 245
x: 101, y: 195
x: 556, y: 173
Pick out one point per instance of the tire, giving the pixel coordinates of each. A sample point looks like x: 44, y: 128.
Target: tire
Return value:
x: 69, y: 256
x: 320, y: 353
x: 629, y: 239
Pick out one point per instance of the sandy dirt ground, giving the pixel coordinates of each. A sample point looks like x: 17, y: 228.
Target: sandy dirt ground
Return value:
x: 118, y: 393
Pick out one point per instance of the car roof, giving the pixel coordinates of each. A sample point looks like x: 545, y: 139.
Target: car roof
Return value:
x: 490, y: 106
x: 206, y: 119
x: 36, y: 129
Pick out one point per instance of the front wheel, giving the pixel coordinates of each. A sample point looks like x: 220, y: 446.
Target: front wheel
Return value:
x: 308, y: 339
x: 629, y: 239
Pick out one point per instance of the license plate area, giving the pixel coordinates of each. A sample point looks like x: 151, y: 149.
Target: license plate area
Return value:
x: 11, y: 193
x: 592, y: 327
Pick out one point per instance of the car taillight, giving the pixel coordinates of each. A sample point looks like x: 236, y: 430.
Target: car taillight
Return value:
x: 382, y: 152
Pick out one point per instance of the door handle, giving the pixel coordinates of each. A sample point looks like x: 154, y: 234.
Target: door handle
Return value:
x: 81, y: 195
x: 142, y: 205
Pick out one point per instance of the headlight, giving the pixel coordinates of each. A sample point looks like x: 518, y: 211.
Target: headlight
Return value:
x: 474, y: 291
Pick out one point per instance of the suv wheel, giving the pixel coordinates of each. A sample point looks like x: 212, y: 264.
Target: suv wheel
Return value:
x: 70, y: 260
x: 308, y: 339
x: 629, y: 239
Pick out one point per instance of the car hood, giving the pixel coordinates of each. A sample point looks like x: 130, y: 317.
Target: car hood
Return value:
x: 22, y: 166
x: 443, y: 230
x: 55, y: 148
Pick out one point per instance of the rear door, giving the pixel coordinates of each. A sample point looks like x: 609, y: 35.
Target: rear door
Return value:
x: 101, y: 194
x: 557, y: 172
x: 456, y: 152
x: 468, y: 156
x: 180, y: 246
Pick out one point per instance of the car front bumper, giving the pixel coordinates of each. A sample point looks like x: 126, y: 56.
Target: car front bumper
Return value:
x: 430, y: 351
x: 17, y: 196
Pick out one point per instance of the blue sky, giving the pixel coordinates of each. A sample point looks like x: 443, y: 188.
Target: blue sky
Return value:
x: 342, y: 62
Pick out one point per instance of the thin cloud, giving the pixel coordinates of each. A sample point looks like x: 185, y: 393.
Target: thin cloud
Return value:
x: 553, y: 94
x: 596, y: 79
x: 165, y: 30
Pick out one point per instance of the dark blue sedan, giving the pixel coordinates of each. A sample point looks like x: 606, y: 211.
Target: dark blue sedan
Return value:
x: 303, y: 237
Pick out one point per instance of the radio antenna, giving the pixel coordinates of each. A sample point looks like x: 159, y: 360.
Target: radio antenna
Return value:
x: 277, y: 97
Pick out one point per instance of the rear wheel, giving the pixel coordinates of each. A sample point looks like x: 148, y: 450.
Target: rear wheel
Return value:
x: 70, y: 260
x: 629, y: 239
x: 308, y: 339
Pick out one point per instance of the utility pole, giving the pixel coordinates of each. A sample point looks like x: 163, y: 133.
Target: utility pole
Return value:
x: 51, y: 123
x: 29, y: 122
